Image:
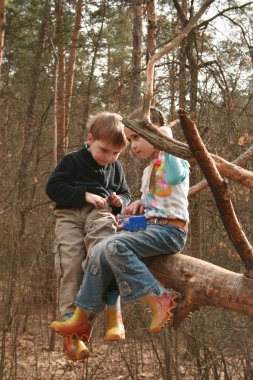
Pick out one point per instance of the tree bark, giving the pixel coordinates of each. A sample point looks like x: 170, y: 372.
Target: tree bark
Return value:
x: 241, y: 161
x: 169, y: 47
x: 61, y: 81
x: 3, y: 5
x: 71, y: 65
x: 86, y: 104
x: 202, y: 284
x: 136, y: 55
x: 220, y: 192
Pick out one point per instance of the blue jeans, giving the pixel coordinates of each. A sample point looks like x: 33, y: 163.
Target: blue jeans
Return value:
x: 120, y: 256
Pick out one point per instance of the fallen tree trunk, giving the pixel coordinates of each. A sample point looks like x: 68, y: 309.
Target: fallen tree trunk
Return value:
x: 202, y: 284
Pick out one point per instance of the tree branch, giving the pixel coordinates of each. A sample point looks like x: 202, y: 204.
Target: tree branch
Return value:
x: 172, y: 45
x: 241, y: 161
x: 202, y: 284
x: 220, y: 192
x: 146, y: 130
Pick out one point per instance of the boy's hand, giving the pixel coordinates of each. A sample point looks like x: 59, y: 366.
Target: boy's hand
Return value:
x: 114, y: 200
x: 95, y: 200
x: 134, y: 208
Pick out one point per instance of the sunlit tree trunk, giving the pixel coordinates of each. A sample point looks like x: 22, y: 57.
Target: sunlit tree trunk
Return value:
x: 3, y: 5
x: 72, y: 60
x: 61, y: 80
x: 172, y: 85
x: 151, y: 33
x: 137, y: 55
x: 88, y: 88
x: 151, y: 16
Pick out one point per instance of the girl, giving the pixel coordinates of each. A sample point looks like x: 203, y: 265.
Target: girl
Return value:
x: 164, y: 189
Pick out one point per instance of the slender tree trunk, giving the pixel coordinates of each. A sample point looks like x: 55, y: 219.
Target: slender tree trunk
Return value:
x: 151, y: 40
x: 172, y: 82
x: 137, y: 55
x: 72, y: 60
x: 86, y: 105
x: 61, y: 80
x: 3, y: 5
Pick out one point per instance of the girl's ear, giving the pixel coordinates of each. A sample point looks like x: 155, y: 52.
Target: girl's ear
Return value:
x: 89, y: 138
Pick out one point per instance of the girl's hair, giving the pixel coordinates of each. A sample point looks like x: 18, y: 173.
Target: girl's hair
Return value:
x: 109, y: 127
x: 156, y: 116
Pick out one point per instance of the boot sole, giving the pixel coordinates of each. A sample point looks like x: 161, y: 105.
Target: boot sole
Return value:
x: 114, y: 338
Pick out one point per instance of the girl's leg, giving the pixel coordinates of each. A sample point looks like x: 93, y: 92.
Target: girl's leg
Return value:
x: 124, y: 253
x: 120, y: 256
x: 133, y: 277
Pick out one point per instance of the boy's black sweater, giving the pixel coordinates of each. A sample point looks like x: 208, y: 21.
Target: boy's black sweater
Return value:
x: 78, y: 172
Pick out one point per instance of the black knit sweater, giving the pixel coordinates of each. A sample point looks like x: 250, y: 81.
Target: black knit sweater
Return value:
x: 77, y: 172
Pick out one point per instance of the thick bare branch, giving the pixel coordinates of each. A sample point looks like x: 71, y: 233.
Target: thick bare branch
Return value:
x: 220, y: 192
x: 241, y: 161
x: 145, y: 129
x: 202, y: 284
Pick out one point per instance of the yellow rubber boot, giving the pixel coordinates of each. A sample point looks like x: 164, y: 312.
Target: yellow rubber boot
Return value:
x: 78, y: 326
x: 75, y: 349
x: 113, y: 319
x: 113, y: 324
x: 161, y: 308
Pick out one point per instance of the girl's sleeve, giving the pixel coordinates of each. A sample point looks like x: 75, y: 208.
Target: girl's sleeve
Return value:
x: 176, y: 169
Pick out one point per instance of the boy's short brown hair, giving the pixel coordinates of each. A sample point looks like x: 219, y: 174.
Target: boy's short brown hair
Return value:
x: 109, y: 127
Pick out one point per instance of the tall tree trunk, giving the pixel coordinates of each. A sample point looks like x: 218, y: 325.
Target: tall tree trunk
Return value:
x: 86, y: 105
x: 25, y: 185
x: 136, y: 55
x: 72, y: 60
x: 3, y: 5
x: 172, y: 85
x: 61, y: 80
x: 151, y: 40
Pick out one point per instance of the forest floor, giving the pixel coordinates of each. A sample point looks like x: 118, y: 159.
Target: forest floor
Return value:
x: 25, y: 353
x: 26, y: 359
x: 26, y: 356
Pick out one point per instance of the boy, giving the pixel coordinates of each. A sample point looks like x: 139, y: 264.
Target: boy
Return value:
x: 89, y: 188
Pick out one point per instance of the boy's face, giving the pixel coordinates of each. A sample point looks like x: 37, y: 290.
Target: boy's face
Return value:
x: 102, y: 151
x: 140, y: 147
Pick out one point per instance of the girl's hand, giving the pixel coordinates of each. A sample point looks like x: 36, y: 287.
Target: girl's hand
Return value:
x: 95, y: 200
x: 134, y: 208
x: 115, y: 200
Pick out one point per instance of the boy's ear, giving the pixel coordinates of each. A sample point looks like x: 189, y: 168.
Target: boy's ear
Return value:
x: 89, y: 138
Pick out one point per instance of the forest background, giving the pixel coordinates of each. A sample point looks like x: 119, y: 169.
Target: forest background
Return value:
x: 64, y: 61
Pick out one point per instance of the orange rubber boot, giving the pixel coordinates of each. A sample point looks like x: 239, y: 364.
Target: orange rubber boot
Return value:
x: 161, y: 308
x: 78, y: 326
x: 75, y: 349
x: 114, y: 325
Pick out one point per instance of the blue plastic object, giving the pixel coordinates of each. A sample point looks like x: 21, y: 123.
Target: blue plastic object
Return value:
x: 134, y: 223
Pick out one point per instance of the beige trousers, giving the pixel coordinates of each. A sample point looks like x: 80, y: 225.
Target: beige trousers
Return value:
x: 76, y: 231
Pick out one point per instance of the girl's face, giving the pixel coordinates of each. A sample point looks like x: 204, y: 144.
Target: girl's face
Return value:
x: 140, y: 147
